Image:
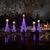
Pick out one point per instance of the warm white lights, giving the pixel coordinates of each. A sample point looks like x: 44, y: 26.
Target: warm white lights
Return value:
x: 13, y: 22
x: 23, y: 15
x: 7, y: 20
x: 38, y: 20
x: 33, y: 22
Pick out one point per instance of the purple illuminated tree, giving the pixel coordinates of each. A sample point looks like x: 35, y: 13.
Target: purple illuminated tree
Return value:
x: 14, y: 27
x: 34, y: 28
x: 7, y: 26
x: 38, y: 27
x: 23, y: 26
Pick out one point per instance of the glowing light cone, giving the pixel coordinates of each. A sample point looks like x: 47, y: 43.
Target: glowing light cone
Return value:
x: 14, y: 27
x: 34, y: 28
x: 7, y: 26
x: 38, y: 27
x: 23, y: 27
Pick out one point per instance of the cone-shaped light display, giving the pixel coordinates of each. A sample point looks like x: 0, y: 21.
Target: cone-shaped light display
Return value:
x: 7, y: 26
x: 14, y: 27
x: 34, y: 28
x: 23, y: 26
x: 38, y: 27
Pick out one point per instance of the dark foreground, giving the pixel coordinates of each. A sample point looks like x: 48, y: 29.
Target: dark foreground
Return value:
x: 28, y: 44
x: 20, y: 46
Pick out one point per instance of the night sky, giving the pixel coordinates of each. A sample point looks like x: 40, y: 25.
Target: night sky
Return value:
x: 42, y: 7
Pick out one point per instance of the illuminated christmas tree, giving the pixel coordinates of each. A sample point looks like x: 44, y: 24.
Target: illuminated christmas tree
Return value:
x: 38, y: 27
x: 23, y: 26
x: 14, y: 27
x: 34, y: 28
x: 7, y: 29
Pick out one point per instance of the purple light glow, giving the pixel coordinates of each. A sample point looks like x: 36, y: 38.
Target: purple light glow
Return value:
x: 14, y: 28
x: 34, y: 28
x: 23, y: 27
x: 7, y: 27
x: 34, y: 37
x: 6, y: 39
x: 39, y: 28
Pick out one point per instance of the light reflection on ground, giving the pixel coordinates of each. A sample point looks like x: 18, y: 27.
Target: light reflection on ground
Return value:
x: 44, y: 39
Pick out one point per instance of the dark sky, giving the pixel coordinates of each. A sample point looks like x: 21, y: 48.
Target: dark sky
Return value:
x: 42, y: 11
